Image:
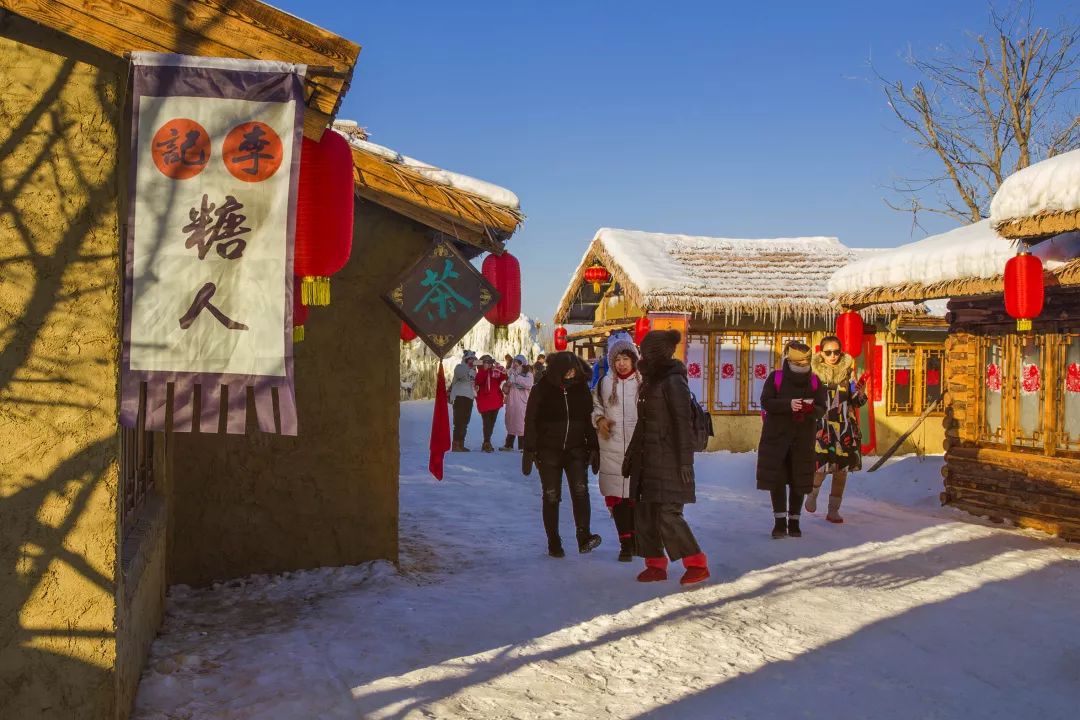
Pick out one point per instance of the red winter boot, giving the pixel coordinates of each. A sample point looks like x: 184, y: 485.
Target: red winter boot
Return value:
x: 697, y: 569
x: 655, y: 570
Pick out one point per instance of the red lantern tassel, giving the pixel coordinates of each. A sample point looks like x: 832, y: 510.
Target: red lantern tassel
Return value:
x: 440, y: 427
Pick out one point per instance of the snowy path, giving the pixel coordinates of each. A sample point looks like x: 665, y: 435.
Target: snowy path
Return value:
x: 907, y: 611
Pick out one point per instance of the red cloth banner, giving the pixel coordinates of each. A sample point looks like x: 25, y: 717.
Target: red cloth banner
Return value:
x: 440, y: 427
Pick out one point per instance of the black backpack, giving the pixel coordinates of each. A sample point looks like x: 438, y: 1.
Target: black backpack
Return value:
x: 701, y: 428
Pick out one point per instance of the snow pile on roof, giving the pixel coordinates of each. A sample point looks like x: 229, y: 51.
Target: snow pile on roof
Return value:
x: 1047, y: 188
x: 774, y: 278
x: 930, y: 268
x: 482, y: 189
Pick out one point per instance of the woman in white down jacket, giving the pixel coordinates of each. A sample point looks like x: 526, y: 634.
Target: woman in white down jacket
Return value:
x: 615, y: 416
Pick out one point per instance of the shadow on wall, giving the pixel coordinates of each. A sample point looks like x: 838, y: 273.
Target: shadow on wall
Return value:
x: 58, y: 348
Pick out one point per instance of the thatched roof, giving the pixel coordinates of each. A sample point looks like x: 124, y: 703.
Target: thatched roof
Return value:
x: 234, y: 29
x: 474, y: 211
x: 769, y: 279
x: 969, y: 260
x: 1040, y: 200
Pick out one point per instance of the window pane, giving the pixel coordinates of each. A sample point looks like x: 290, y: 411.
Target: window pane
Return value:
x: 1070, y: 421
x: 761, y: 364
x: 993, y: 383
x: 727, y: 370
x: 696, y: 349
x: 1030, y: 396
x: 932, y: 376
x: 901, y: 379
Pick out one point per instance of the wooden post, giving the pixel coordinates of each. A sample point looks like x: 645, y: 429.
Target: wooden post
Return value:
x: 896, y: 445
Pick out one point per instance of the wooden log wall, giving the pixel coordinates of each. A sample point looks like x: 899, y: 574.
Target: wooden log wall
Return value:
x: 1027, y: 487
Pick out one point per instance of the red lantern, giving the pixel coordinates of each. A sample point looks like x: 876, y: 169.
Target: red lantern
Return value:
x: 299, y: 312
x: 1024, y: 293
x: 324, y: 215
x: 596, y: 274
x: 407, y: 333
x: 641, y: 329
x: 560, y: 339
x: 849, y: 328
x: 504, y: 274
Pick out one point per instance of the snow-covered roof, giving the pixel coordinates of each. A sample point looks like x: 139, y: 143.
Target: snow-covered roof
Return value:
x: 480, y: 188
x: 1040, y: 200
x: 774, y: 277
x: 965, y: 261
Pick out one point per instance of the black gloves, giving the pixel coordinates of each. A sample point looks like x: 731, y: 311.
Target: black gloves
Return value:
x: 686, y: 474
x: 528, y: 457
x: 594, y: 460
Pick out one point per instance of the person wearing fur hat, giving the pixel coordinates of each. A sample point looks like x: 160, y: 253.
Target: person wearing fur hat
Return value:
x: 660, y: 464
x: 839, y: 441
x: 792, y: 401
x: 518, y: 386
x: 462, y: 395
x: 560, y: 439
x: 615, y: 398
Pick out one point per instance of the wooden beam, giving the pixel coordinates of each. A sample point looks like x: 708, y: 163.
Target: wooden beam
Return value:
x: 430, y: 219
x: 212, y: 28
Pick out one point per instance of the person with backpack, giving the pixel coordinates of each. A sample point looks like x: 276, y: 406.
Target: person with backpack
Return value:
x: 560, y: 439
x: 615, y: 399
x: 839, y: 440
x: 792, y: 402
x: 660, y: 463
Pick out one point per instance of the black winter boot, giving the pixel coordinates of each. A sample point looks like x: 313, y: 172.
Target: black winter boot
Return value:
x: 626, y: 550
x: 793, y: 529
x: 587, y: 541
x: 780, y: 526
x: 555, y: 548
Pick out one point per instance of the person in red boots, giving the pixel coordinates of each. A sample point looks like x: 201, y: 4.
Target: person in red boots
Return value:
x: 660, y: 463
x: 489, y: 396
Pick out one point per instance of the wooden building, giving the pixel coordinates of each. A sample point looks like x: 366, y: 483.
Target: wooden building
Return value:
x: 741, y: 300
x: 1012, y: 400
x: 96, y: 521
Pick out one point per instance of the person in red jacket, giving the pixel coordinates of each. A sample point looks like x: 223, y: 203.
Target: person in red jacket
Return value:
x: 489, y: 396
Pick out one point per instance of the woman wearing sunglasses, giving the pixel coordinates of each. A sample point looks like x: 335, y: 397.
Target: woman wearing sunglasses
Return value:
x: 839, y: 441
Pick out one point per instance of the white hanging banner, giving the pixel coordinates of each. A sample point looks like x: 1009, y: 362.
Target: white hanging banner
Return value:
x: 215, y: 151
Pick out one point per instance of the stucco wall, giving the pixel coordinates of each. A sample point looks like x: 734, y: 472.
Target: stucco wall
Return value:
x: 260, y: 503
x: 59, y: 346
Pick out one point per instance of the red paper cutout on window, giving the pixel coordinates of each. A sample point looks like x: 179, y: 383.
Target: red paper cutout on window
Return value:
x: 1030, y: 381
x: 993, y: 377
x: 760, y: 371
x: 727, y: 371
x: 933, y: 378
x: 1072, y: 378
x: 903, y: 377
x: 693, y: 371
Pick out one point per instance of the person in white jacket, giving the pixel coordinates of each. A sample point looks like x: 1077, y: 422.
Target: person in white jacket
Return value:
x: 615, y: 416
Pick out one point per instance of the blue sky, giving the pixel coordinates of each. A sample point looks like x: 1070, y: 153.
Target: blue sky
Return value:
x: 709, y: 118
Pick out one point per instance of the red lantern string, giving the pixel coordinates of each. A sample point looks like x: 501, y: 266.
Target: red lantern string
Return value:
x: 299, y: 312
x: 560, y: 339
x: 1024, y: 292
x: 324, y: 215
x: 504, y: 274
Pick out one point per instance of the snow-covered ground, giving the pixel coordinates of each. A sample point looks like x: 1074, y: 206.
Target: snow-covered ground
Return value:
x: 906, y: 611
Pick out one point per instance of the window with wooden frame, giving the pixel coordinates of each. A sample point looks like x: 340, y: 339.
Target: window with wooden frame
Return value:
x: 1027, y: 392
x: 915, y: 378
x: 136, y: 473
x: 993, y: 369
x: 740, y: 363
x: 697, y: 363
x: 1067, y: 355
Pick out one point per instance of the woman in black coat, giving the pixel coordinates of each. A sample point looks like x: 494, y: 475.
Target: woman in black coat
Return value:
x: 792, y: 401
x: 560, y: 438
x: 660, y: 463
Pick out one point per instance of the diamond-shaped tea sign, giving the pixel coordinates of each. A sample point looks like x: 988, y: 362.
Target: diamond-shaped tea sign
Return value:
x: 441, y: 297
